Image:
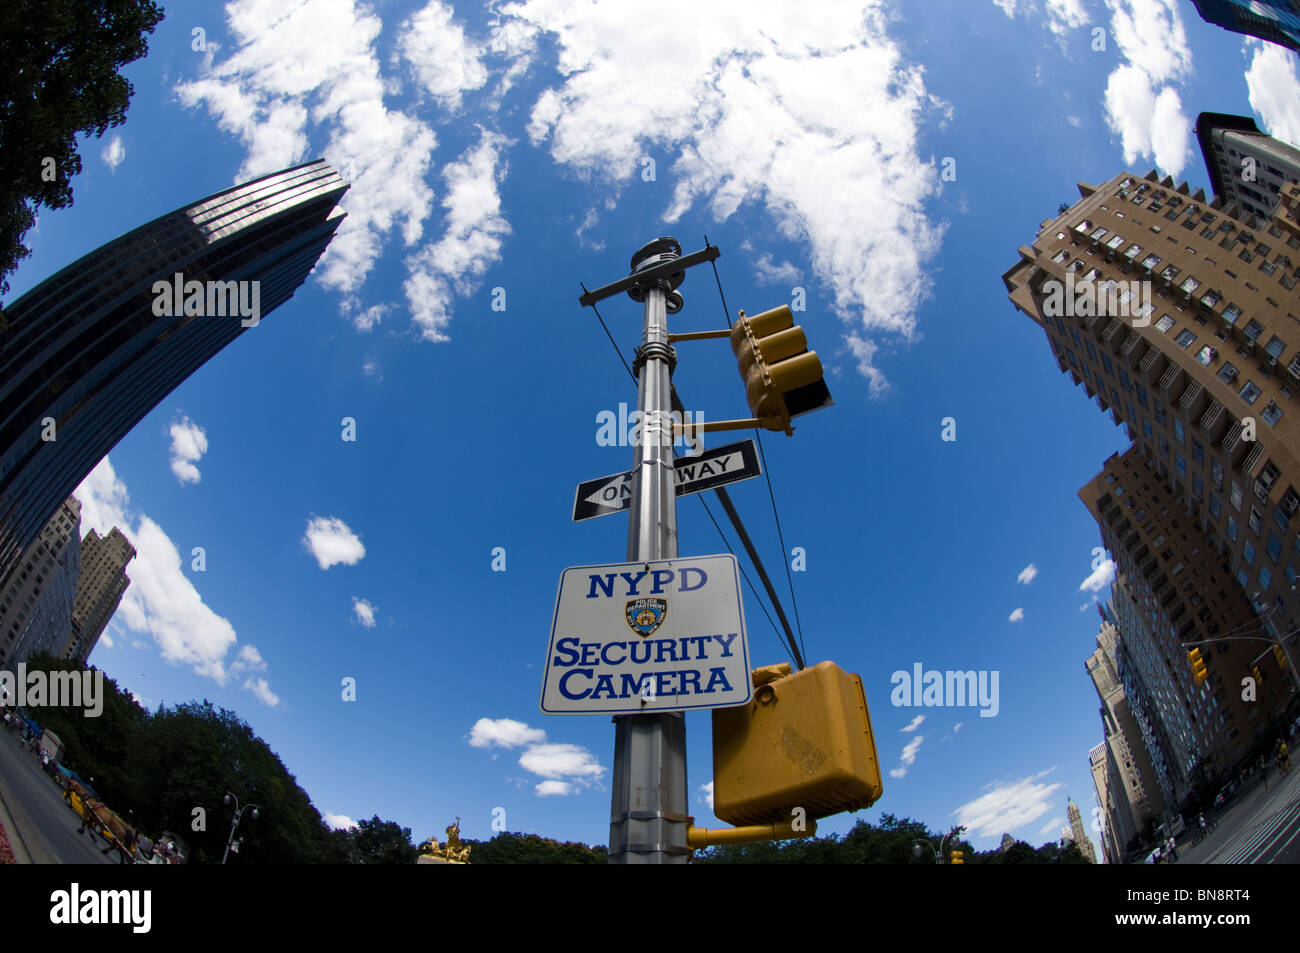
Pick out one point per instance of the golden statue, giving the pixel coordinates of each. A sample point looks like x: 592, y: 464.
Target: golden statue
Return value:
x: 453, y: 852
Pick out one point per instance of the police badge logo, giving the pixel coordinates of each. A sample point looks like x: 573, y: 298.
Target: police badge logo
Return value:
x: 644, y: 616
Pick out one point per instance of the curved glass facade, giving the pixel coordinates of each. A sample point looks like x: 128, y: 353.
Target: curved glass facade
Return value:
x: 90, y: 351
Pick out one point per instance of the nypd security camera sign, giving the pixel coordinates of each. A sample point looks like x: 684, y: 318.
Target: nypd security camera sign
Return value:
x: 663, y: 635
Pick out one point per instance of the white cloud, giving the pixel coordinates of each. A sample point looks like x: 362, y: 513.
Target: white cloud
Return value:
x: 1275, y: 90
x: 1143, y: 105
x: 562, y: 761
x: 707, y: 794
x: 768, y: 273
x: 444, y: 61
x: 332, y: 542
x: 339, y: 822
x: 865, y: 352
x: 248, y: 659
x: 503, y: 733
x: 914, y: 724
x: 1060, y: 16
x: 189, y: 443
x: 841, y: 173
x: 1027, y: 575
x: 1008, y: 806
x: 471, y: 243
x: 552, y: 788
x: 366, y: 320
x: 1016, y: 616
x: 1100, y: 578
x: 161, y: 601
x: 1065, y: 15
x: 113, y: 153
x: 1051, y: 826
x: 957, y: 727
x: 908, y: 757
x: 364, y: 611
x: 301, y: 63
x: 261, y: 688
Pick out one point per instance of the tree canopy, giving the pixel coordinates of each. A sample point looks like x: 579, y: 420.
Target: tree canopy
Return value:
x: 59, y: 62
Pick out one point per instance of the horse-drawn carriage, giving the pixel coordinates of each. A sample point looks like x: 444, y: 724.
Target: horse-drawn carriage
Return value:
x: 97, y: 818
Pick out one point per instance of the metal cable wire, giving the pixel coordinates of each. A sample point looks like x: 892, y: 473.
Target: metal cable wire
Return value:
x: 767, y: 473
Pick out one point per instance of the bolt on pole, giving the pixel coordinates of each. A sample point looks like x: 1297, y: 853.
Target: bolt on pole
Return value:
x: 648, y: 813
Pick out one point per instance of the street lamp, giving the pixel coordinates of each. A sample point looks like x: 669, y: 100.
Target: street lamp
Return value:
x: 234, y: 821
x: 938, y: 851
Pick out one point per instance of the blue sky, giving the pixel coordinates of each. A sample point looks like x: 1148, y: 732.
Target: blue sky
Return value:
x: 509, y: 153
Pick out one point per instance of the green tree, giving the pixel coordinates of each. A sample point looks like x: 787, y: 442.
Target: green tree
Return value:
x: 59, y: 62
x: 511, y: 848
x: 380, y: 842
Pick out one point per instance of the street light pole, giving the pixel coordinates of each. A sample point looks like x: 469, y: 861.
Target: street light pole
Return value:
x: 648, y: 812
x: 234, y: 821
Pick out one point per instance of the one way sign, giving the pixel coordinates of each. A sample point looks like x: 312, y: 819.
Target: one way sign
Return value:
x: 712, y: 468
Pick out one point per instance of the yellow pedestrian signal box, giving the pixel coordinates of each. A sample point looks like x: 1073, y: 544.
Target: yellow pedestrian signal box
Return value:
x: 1198, y: 666
x: 803, y: 742
x: 783, y: 379
x: 957, y: 856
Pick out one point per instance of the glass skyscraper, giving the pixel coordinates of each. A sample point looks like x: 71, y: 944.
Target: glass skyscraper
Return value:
x: 1275, y: 20
x: 90, y: 351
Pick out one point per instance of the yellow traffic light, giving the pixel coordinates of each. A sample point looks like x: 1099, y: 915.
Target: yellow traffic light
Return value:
x: 802, y: 749
x: 783, y: 379
x: 957, y: 857
x: 1280, y: 656
x: 1198, y: 666
x: 1259, y: 677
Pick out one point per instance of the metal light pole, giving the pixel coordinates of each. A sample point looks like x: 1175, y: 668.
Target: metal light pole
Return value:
x: 938, y: 852
x: 234, y: 821
x: 648, y: 813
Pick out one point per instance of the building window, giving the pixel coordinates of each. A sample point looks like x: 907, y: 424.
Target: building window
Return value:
x: 1231, y: 314
x: 1265, y: 577
x: 1232, y: 529
x: 1256, y: 521
x: 1248, y: 553
x: 1142, y: 395
x: 1235, y: 496
x: 1275, y: 347
x: 1272, y: 413
x: 1179, y: 433
x: 1216, y: 474
x: 1146, y: 428
x: 1250, y: 393
x: 1227, y: 373
x: 1181, y: 465
x: 1164, y: 324
x: 1274, y: 546
x: 1185, y: 337
x: 1253, y: 331
x: 1216, y: 507
x: 1207, y: 355
x: 1105, y: 362
x: 1189, y: 285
